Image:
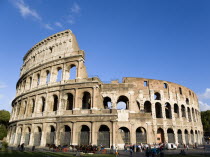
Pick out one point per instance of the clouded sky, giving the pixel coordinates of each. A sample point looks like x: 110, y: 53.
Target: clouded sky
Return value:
x: 157, y: 39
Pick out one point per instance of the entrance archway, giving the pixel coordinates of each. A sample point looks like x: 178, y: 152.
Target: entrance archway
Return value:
x: 37, y: 136
x: 51, y: 136
x: 186, y: 137
x: 160, y: 136
x: 179, y: 133
x: 84, y: 135
x: 171, y: 138
x: 65, y: 136
x: 104, y: 136
x: 124, y: 136
x: 141, y: 135
x: 27, y: 136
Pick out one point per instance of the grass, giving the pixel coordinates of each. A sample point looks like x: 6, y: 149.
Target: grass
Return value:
x: 187, y: 155
x: 44, y: 154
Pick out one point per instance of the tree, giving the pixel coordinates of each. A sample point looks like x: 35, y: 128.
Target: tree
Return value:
x: 205, y: 118
x: 3, y: 132
x: 4, y: 117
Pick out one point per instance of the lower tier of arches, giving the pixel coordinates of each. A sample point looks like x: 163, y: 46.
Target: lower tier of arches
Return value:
x: 99, y: 133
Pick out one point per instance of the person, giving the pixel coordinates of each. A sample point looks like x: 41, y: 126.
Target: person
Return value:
x: 116, y: 151
x: 131, y: 151
x: 187, y: 146
x: 147, y: 152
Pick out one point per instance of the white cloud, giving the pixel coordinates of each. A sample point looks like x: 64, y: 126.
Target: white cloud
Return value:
x: 58, y: 24
x: 75, y: 8
x: 48, y: 26
x: 205, y: 95
x: 25, y: 10
x: 204, y: 106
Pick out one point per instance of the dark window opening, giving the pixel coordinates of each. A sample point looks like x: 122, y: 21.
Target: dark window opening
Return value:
x: 147, y: 107
x: 107, y: 103
x: 70, y: 101
x: 55, y: 103
x: 165, y: 85
x: 158, y: 109
x: 168, y: 111
x: 86, y: 100
x: 157, y: 96
x: 145, y: 83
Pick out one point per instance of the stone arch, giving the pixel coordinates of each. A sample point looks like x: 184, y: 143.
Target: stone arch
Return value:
x: 19, y: 135
x: 84, y: 138
x: 187, y: 101
x: 138, y: 105
x: 196, y: 136
x: 183, y: 111
x: 107, y: 103
x: 55, y: 102
x: 160, y: 135
x: 179, y: 133
x: 65, y: 136
x: 189, y: 114
x: 176, y: 111
x: 69, y: 101
x: 33, y: 105
x: 124, y: 136
x: 147, y: 107
x: 38, y: 80
x: 186, y: 136
x: 192, y: 137
x: 168, y: 111
x: 123, y: 102
x: 193, y: 114
x: 27, y: 136
x: 157, y: 96
x: 72, y: 72
x: 158, y: 110
x: 171, y: 136
x: 51, y: 135
x: 59, y: 74
x: 104, y: 136
x: 37, y: 136
x: 141, y: 135
x: 86, y: 100
x: 43, y: 104
x: 48, y: 75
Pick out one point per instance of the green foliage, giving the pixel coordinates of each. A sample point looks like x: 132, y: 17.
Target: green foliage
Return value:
x: 205, y: 118
x: 4, y: 117
x: 4, y: 146
x: 3, y: 132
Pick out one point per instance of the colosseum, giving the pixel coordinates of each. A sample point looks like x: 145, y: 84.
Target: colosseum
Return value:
x: 57, y: 103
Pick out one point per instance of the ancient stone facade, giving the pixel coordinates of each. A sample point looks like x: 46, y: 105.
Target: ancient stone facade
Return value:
x: 54, y: 107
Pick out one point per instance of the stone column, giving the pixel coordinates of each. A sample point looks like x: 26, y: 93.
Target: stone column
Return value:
x: 31, y: 143
x: 114, y: 133
x: 44, y: 135
x: 93, y: 140
x: 75, y: 134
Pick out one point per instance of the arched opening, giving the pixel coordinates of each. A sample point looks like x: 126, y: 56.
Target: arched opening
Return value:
x: 179, y: 132
x: 192, y: 137
x: 104, y: 136
x: 84, y: 135
x: 43, y: 104
x: 176, y: 111
x: 59, y: 75
x: 158, y: 110
x: 30, y: 82
x: 48, y: 77
x: 27, y: 136
x: 186, y: 137
x: 171, y: 138
x: 25, y: 106
x: 122, y: 103
x: 147, y: 107
x: 160, y: 136
x: 157, y: 96
x: 38, y: 79
x: 141, y: 135
x: 168, y: 111
x: 70, y: 101
x: 19, y: 135
x: 180, y: 90
x: 33, y: 106
x: 37, y: 136
x: 189, y: 114
x: 193, y: 114
x: 183, y: 111
x: 138, y: 105
x: 187, y: 101
x: 196, y: 136
x: 86, y: 100
x: 124, y: 136
x: 65, y: 136
x: 165, y: 85
x: 55, y: 102
x: 72, y: 72
x: 51, y: 136
x: 107, y: 103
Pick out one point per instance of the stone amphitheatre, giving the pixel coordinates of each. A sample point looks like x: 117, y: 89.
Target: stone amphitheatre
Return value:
x: 54, y: 107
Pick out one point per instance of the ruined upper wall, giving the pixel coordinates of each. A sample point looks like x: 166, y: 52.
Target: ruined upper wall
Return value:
x: 59, y: 45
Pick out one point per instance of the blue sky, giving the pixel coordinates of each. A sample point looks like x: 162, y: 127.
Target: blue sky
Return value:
x: 157, y: 39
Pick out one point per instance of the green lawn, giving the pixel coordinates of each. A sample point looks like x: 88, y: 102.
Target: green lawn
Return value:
x: 187, y: 155
x: 45, y: 154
